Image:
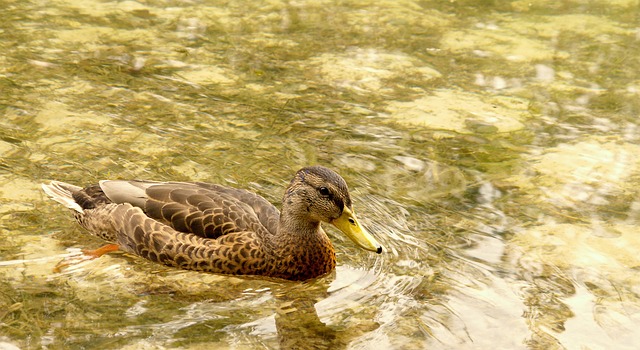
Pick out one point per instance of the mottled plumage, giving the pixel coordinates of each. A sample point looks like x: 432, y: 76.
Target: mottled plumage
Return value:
x: 207, y: 227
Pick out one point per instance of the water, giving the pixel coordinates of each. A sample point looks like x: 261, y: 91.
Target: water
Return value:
x: 491, y: 147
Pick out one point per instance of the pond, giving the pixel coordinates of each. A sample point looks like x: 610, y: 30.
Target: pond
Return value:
x: 491, y: 147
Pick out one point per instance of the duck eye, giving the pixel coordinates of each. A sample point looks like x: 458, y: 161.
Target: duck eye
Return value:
x: 324, y: 191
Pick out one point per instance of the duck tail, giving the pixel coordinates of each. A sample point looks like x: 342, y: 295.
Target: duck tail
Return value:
x: 63, y: 193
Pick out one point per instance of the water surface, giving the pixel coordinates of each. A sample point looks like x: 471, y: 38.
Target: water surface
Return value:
x: 491, y: 147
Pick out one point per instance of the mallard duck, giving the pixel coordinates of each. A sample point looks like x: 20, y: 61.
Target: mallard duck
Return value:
x: 219, y: 229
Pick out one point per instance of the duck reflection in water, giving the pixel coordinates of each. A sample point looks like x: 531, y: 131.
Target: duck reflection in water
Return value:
x: 218, y: 229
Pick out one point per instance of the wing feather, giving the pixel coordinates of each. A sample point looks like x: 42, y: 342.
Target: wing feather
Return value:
x: 205, y: 210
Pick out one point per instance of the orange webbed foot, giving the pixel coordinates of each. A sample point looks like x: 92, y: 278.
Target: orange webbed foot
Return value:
x: 96, y: 253
x: 87, y: 254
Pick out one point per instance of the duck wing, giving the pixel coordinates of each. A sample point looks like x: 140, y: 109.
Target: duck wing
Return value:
x: 205, y: 210
x: 266, y: 212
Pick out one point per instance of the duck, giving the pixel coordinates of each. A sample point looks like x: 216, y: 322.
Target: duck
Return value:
x: 220, y: 229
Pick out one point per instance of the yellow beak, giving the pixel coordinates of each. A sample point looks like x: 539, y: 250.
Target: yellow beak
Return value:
x: 348, y: 223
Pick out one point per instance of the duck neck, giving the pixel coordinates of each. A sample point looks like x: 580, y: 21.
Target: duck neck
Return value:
x: 302, y: 248
x: 293, y: 229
